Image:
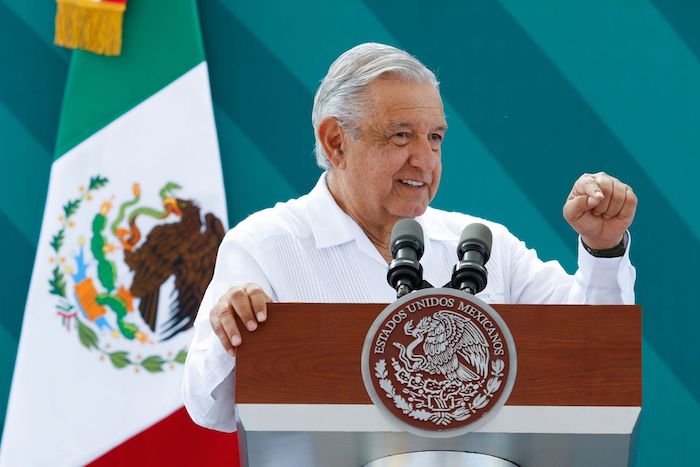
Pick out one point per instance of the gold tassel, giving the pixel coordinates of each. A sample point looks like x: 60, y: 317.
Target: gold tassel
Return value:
x: 90, y: 25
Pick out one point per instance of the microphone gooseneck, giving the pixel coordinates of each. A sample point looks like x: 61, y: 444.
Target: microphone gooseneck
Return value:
x: 405, y: 272
x: 473, y: 251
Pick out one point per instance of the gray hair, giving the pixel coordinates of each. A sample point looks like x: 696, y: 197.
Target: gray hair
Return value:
x: 341, y: 93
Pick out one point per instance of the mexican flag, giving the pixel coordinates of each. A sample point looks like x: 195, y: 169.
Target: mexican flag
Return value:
x: 134, y: 215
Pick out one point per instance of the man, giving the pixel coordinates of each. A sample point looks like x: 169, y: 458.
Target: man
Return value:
x: 379, y: 124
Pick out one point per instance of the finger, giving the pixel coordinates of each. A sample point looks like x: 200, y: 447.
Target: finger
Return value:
x: 224, y: 326
x: 587, y: 185
x: 258, y: 301
x: 629, y: 208
x: 617, y: 200
x: 606, y: 186
x: 241, y: 305
x: 229, y: 325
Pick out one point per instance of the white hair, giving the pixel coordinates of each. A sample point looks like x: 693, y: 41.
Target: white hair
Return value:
x: 342, y: 92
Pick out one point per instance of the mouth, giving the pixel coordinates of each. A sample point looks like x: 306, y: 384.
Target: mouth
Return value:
x: 413, y: 183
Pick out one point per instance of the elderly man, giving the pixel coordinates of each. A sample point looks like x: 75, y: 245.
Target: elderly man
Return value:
x: 379, y: 124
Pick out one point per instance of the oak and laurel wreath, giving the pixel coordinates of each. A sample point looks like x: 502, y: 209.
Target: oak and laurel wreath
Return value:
x: 87, y: 337
x: 441, y: 418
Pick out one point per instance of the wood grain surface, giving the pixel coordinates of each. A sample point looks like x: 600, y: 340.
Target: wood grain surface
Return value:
x: 568, y: 355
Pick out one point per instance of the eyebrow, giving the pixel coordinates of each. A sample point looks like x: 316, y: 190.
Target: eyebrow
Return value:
x: 401, y: 125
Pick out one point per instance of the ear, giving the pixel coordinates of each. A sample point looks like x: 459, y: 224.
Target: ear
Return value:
x: 331, y: 135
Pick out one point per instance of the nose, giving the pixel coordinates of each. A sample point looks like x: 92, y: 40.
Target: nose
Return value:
x: 425, y: 155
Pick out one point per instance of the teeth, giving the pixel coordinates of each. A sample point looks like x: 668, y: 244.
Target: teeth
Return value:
x: 413, y: 182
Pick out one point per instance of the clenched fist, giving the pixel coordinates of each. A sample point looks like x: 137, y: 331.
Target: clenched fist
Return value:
x: 600, y: 208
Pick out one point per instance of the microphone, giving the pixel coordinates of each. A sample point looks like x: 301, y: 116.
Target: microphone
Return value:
x: 405, y: 272
x: 473, y: 251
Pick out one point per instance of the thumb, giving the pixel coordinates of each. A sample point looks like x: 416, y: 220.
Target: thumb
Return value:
x: 578, y: 206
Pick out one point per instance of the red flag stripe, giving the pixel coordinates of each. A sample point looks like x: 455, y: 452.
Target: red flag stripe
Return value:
x: 174, y: 441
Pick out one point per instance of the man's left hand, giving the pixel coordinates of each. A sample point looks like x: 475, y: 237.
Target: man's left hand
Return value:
x: 600, y: 208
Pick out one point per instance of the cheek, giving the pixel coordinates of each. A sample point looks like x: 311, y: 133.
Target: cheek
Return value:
x: 369, y: 184
x: 437, y: 174
x: 376, y: 169
x: 380, y: 171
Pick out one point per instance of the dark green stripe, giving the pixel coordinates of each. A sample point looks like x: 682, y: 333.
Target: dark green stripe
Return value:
x: 25, y: 181
x: 15, y: 274
x: 162, y: 41
x: 33, y: 77
x: 544, y: 134
x: 260, y: 95
x: 684, y: 18
x: 40, y: 17
x: 244, y: 195
x: 8, y: 347
x: 18, y: 259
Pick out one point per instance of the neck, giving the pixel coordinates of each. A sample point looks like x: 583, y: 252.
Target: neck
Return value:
x: 377, y: 233
x: 379, y: 240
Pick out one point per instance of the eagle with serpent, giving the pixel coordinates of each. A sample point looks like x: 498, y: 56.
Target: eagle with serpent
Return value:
x: 110, y: 279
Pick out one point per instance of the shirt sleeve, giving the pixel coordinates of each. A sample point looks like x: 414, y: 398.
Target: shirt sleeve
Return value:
x: 606, y: 280
x: 208, y: 383
x: 597, y: 281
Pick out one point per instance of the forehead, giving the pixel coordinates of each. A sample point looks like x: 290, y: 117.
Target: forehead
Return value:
x: 392, y: 101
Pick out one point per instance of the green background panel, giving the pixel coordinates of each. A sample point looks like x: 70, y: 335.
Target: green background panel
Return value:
x: 535, y: 93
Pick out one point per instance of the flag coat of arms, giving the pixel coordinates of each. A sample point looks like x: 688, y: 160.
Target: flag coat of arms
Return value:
x: 134, y: 215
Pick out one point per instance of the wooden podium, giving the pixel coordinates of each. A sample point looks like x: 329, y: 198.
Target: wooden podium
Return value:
x: 576, y: 400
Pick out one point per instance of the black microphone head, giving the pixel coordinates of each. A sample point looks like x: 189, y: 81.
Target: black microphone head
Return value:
x: 407, y: 233
x: 473, y: 251
x: 475, y: 235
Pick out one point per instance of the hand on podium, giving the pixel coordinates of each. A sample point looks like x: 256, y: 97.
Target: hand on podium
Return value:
x: 247, y: 303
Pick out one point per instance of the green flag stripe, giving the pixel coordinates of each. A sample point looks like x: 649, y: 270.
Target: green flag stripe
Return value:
x: 100, y: 89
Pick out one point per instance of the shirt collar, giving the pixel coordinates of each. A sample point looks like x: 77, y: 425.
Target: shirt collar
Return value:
x: 332, y: 226
x: 434, y: 227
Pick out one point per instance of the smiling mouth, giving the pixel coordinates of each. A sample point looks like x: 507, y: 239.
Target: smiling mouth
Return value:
x: 413, y: 183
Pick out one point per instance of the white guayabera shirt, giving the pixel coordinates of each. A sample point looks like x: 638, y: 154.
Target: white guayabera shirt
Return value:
x: 309, y: 250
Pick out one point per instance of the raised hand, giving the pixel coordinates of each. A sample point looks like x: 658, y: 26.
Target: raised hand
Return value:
x: 600, y: 208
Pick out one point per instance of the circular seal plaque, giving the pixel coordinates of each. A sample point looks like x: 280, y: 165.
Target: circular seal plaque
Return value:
x: 439, y: 362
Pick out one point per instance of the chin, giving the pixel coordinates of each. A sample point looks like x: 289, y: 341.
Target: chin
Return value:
x: 413, y: 211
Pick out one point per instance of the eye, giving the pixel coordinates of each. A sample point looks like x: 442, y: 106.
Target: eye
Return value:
x: 436, y: 137
x: 401, y: 138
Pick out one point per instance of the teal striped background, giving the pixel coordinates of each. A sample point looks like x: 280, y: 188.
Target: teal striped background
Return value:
x: 535, y: 92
